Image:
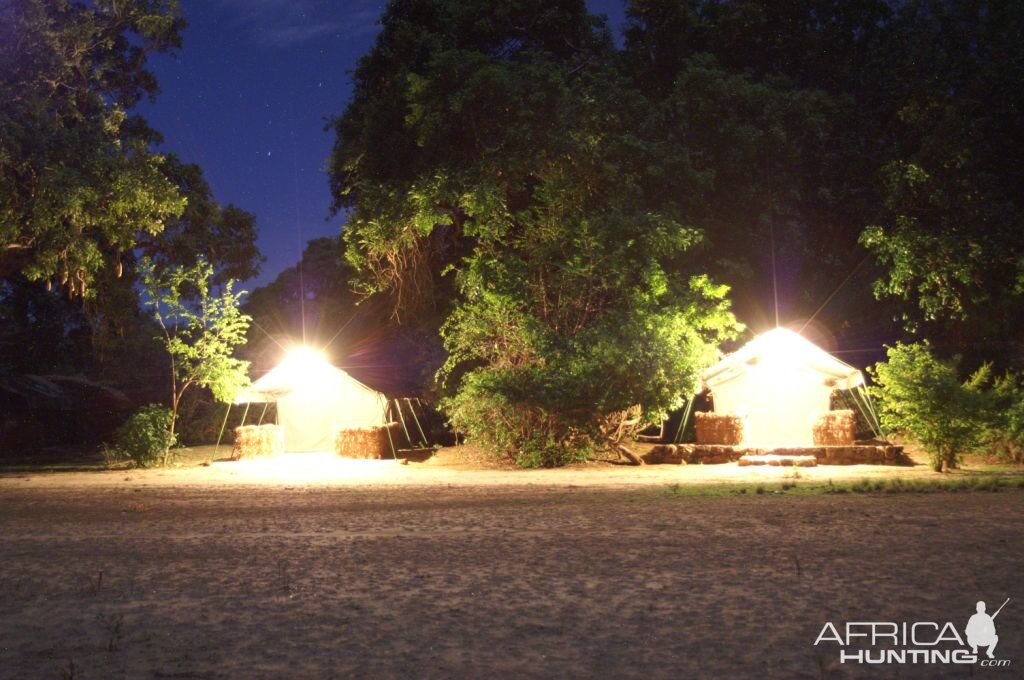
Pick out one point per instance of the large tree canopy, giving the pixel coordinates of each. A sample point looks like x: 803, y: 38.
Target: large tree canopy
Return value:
x: 524, y: 173
x: 901, y: 154
x: 952, y: 236
x: 513, y: 177
x: 78, y: 182
x: 83, y: 194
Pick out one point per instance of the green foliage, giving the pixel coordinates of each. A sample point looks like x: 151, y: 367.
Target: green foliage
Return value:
x: 859, y: 131
x: 1004, y: 431
x: 83, y: 194
x: 199, y: 336
x: 78, y: 183
x: 145, y: 440
x: 949, y: 238
x: 922, y: 396
x: 521, y: 199
x: 223, y: 236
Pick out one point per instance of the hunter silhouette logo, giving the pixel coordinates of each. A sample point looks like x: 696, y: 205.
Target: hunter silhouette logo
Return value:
x: 981, y: 630
x: 917, y: 642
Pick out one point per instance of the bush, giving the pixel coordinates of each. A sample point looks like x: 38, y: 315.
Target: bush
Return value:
x: 921, y: 396
x: 1004, y: 434
x: 542, y: 396
x: 145, y: 439
x: 509, y: 414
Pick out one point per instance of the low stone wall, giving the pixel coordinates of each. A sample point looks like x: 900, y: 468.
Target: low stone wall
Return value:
x: 682, y: 454
x: 776, y: 460
x: 861, y: 455
x: 369, y: 442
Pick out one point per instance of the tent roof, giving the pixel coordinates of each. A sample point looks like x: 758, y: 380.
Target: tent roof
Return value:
x: 287, y: 377
x: 784, y: 346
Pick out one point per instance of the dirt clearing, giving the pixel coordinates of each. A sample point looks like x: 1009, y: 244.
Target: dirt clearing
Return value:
x: 225, y: 572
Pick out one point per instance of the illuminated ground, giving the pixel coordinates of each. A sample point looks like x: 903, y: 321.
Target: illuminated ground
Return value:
x: 279, y: 569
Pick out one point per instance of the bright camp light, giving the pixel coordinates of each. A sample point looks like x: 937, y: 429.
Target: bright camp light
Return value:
x: 303, y: 364
x: 305, y: 359
x: 782, y: 346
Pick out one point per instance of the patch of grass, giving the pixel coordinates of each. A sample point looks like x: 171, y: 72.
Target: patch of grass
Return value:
x: 69, y: 671
x: 90, y: 460
x: 113, y: 628
x: 892, y: 485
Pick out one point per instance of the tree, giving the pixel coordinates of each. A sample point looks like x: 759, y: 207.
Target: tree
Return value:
x: 893, y: 159
x: 199, y: 337
x: 921, y: 395
x: 519, y: 194
x: 83, y: 195
x: 770, y: 109
x: 223, y: 236
x: 314, y: 300
x: 949, y: 240
x: 78, y: 183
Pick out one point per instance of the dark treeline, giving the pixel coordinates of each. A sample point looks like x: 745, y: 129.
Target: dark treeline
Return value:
x: 545, y: 211
x: 83, y: 197
x: 563, y: 206
x: 869, y: 144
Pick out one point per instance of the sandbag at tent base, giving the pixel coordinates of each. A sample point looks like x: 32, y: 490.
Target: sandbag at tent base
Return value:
x: 374, y: 443
x: 257, y: 440
x: 835, y: 428
x: 718, y: 428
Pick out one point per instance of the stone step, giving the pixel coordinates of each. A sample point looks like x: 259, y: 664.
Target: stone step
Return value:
x: 777, y: 460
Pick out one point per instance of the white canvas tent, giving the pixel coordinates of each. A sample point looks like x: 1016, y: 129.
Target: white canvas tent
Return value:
x: 314, y: 400
x: 779, y: 383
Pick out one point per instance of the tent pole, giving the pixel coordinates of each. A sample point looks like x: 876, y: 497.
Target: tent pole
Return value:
x: 865, y: 410
x: 391, y: 443
x: 244, y: 414
x: 266, y: 405
x: 401, y: 419
x: 876, y: 424
x: 416, y: 420
x: 227, y: 412
x: 686, y: 417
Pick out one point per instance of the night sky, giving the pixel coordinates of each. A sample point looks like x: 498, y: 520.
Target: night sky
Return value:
x: 247, y: 98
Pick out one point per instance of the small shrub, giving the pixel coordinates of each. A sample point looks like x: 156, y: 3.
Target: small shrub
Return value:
x: 145, y: 439
x: 498, y: 416
x: 1004, y: 433
x: 922, y: 396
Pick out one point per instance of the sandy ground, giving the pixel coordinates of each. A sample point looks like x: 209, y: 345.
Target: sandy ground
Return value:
x: 309, y: 567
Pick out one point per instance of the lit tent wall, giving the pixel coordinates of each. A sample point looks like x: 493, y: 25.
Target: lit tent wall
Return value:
x: 314, y: 400
x: 779, y: 383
